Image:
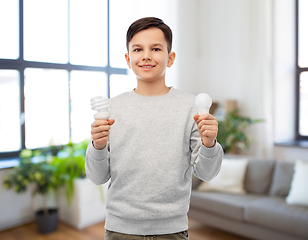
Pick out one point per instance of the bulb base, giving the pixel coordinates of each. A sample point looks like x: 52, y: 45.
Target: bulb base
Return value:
x: 203, y: 110
x: 101, y: 115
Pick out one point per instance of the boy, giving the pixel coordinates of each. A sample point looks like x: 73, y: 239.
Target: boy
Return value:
x: 154, y: 146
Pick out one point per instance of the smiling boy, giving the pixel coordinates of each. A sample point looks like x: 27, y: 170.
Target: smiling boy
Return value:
x: 148, y: 57
x: 154, y: 145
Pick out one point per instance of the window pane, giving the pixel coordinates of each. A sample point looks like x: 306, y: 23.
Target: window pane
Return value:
x: 119, y: 9
x: 303, y: 33
x: 9, y: 29
x: 46, y: 30
x: 121, y: 83
x: 9, y: 111
x: 84, y: 85
x: 46, y: 107
x: 131, y: 11
x: 303, y: 105
x: 88, y: 32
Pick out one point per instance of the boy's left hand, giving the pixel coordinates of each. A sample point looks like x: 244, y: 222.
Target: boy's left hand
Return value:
x: 208, y: 128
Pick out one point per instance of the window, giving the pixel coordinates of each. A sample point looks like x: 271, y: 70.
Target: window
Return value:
x: 46, y: 107
x: 81, y: 93
x: 9, y: 27
x: 45, y: 36
x: 302, y: 69
x: 10, y: 139
x: 50, y: 67
x: 57, y: 54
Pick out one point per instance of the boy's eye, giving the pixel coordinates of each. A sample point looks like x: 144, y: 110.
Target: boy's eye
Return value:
x: 156, y: 49
x: 137, y: 50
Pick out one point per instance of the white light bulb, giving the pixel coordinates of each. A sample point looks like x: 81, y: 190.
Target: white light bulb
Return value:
x: 100, y: 104
x: 203, y: 102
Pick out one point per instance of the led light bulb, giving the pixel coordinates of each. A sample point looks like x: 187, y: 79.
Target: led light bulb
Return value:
x: 203, y: 102
x: 100, y: 104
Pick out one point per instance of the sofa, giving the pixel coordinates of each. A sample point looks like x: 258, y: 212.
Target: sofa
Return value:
x: 263, y: 208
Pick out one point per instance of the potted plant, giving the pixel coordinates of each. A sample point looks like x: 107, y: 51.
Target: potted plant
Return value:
x: 44, y: 177
x: 231, y: 132
x: 64, y: 172
x: 79, y: 196
x: 70, y: 163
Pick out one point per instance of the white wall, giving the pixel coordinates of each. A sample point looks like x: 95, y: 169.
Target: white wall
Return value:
x: 15, y: 209
x: 243, y: 50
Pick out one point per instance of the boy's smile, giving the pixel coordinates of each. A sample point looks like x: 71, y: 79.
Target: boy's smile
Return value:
x: 146, y: 67
x: 148, y: 55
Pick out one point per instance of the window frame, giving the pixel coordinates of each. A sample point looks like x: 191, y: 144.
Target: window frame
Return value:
x: 20, y: 65
x: 299, y: 70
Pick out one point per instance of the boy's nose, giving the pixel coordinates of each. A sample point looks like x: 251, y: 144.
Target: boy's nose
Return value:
x: 147, y: 55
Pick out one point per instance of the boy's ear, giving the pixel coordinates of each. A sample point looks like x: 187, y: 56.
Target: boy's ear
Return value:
x: 171, y: 58
x: 127, y: 59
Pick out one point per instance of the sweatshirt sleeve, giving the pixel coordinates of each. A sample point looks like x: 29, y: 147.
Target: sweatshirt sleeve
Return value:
x: 97, y: 164
x: 206, y: 161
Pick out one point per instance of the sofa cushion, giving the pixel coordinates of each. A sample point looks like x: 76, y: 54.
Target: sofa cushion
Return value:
x: 299, y: 192
x: 230, y: 179
x: 259, y: 176
x: 225, y: 204
x: 282, y: 178
x: 273, y: 212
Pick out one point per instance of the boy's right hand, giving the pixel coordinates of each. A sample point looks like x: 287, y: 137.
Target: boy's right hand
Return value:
x: 100, y: 132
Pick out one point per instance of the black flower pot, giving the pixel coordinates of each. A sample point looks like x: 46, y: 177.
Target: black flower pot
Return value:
x: 46, y: 223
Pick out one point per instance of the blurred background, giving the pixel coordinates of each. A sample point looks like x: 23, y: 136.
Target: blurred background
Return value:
x: 57, y: 54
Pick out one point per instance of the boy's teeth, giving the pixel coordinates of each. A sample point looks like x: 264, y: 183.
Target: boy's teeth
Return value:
x: 147, y: 66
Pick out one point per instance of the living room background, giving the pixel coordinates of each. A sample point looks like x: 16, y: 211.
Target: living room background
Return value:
x: 245, y: 51
x: 240, y: 49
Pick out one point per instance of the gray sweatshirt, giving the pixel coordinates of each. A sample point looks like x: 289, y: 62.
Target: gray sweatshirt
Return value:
x: 154, y: 147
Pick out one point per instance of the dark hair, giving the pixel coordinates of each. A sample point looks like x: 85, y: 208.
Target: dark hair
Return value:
x: 146, y: 23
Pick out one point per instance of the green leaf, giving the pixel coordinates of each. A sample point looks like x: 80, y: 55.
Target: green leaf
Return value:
x: 231, y: 131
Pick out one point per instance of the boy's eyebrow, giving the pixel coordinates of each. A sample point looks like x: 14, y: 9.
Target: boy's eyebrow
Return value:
x: 135, y: 45
x: 157, y: 44
x: 154, y: 45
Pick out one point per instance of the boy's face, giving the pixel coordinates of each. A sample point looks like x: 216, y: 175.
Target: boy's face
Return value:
x: 148, y: 55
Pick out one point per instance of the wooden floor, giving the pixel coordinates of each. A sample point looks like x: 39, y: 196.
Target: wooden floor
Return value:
x: 96, y: 232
